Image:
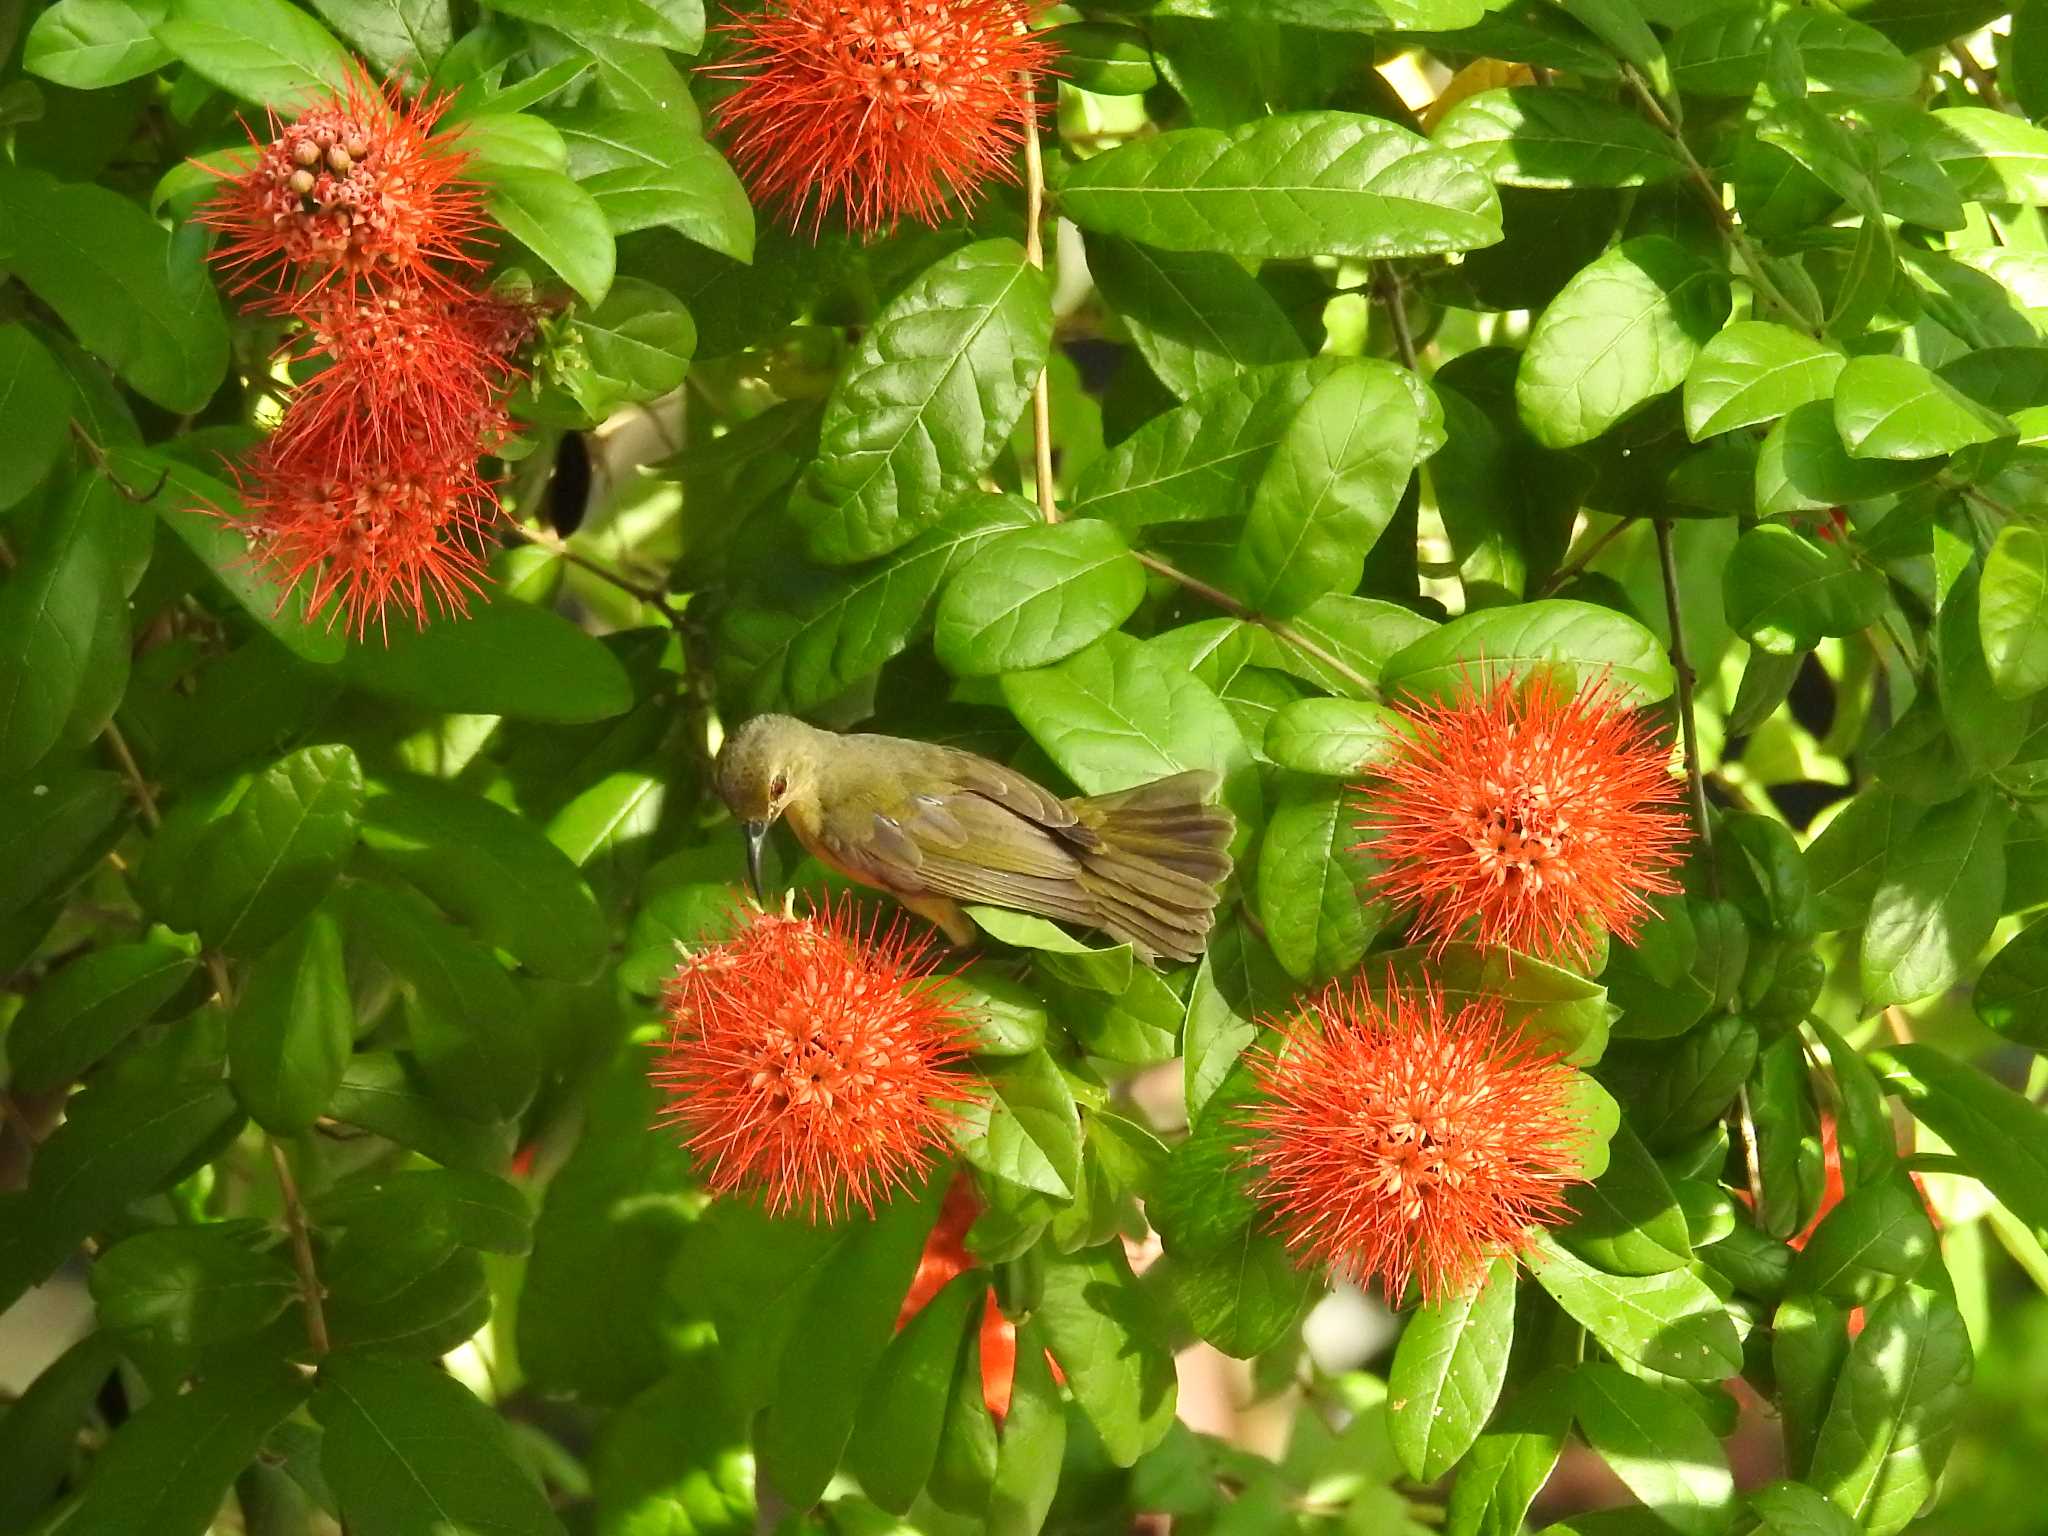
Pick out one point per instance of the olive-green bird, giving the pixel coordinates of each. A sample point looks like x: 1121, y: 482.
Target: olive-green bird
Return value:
x: 935, y: 827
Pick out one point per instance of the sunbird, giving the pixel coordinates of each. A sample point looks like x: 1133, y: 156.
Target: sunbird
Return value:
x: 936, y: 827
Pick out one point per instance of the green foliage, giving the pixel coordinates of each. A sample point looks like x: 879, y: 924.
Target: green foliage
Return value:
x: 1695, y: 349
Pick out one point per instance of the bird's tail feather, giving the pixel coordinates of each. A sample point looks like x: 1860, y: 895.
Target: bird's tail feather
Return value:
x: 1157, y: 872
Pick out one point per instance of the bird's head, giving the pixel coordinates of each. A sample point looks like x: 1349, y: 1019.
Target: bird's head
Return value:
x: 761, y: 766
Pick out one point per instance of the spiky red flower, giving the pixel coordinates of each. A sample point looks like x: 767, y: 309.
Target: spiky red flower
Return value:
x: 813, y: 1060
x: 1524, y: 817
x: 358, y: 185
x: 369, y: 532
x: 1394, y: 1141
x: 890, y: 109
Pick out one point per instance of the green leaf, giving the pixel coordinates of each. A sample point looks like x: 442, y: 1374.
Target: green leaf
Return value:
x: 270, y: 860
x: 293, y: 1028
x: 433, y: 1309
x: 1658, y: 1446
x: 1531, y: 136
x: 1723, y: 52
x: 1311, y: 883
x: 1753, y: 372
x: 90, y: 44
x: 264, y: 51
x: 636, y: 348
x: 1026, y: 1129
x: 1784, y: 592
x: 1203, y: 459
x: 1100, y: 1327
x: 502, y: 658
x: 1036, y: 596
x: 1983, y: 727
x: 677, y: 24
x: 78, y: 1016
x: 52, y: 831
x: 1032, y: 1451
x: 2012, y: 611
x: 184, y: 1288
x: 1937, y: 902
x: 49, y: 609
x: 491, y: 868
x: 1562, y: 1009
x: 2000, y: 1135
x: 39, y: 1431
x: 1447, y: 1373
x: 1509, y: 1464
x: 675, y: 1461
x: 843, y: 625
x: 896, y: 1433
x: 1628, y: 1221
x: 1992, y: 157
x: 1804, y: 467
x: 1576, y: 643
x: 1793, y: 1509
x: 377, y: 1095
x: 1112, y: 717
x: 1625, y: 330
x: 845, y: 1326
x: 1846, y: 862
x: 2011, y: 996
x: 404, y: 37
x: 1893, y: 1416
x: 647, y: 169
x: 1879, y: 1234
x: 1244, y: 1295
x: 1198, y: 317
x: 1893, y: 408
x: 1330, y: 488
x: 926, y: 401
x: 168, y: 1469
x: 1809, y: 1342
x: 111, y: 275
x: 557, y: 220
x: 1671, y: 1322
x: 407, y: 1449
x: 1299, y: 185
x: 35, y: 402
x: 1332, y: 738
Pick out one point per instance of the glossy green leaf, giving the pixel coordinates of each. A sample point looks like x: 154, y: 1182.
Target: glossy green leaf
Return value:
x: 1034, y: 1441
x: 1509, y: 1464
x: 407, y: 1448
x: 378, y: 1095
x: 1311, y: 883
x: 90, y: 44
x: 1990, y: 156
x: 2011, y: 996
x: 1937, y: 902
x: 1027, y: 1129
x: 557, y: 220
x: 647, y: 168
x: 82, y: 1012
x: 677, y: 24
x: 1332, y: 738
x: 1658, y: 1446
x: 1785, y: 592
x: 51, y: 832
x: 502, y: 658
x: 184, y: 1288
x: 1329, y: 490
x: 1624, y: 330
x: 1199, y: 317
x: 1878, y: 1235
x: 1529, y: 136
x: 1447, y: 1373
x: 1116, y: 1358
x: 49, y: 606
x: 1561, y: 1008
x: 1036, y: 596
x: 264, y: 51
x: 2012, y: 611
x: 926, y: 401
x: 896, y: 1434
x: 1998, y: 1133
x: 1671, y: 1322
x: 1628, y: 1221
x: 1755, y: 371
x: 1303, y: 184
x: 1804, y: 467
x: 396, y: 35
x: 35, y: 401
x: 675, y: 1461
x: 1576, y: 643
x: 292, y: 1029
x: 1983, y: 726
x: 1893, y: 408
x: 636, y: 348
x: 1893, y: 1415
x: 1793, y: 1509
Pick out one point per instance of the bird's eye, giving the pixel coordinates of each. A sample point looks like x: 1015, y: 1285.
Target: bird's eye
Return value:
x: 779, y: 787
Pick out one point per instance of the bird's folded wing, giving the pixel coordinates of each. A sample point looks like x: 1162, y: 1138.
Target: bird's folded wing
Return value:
x: 968, y: 848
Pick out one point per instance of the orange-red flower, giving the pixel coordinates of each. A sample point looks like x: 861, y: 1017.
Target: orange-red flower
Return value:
x: 370, y: 532
x: 945, y: 1257
x: 1524, y: 817
x: 357, y: 186
x: 813, y: 1061
x: 1395, y: 1141
x: 889, y: 109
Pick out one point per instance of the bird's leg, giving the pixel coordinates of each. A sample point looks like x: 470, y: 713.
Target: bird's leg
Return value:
x: 945, y: 915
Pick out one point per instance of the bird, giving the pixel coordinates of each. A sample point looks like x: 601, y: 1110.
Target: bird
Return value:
x: 937, y: 827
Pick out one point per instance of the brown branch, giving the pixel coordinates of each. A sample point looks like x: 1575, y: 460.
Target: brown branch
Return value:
x: 105, y: 466
x: 1285, y: 633
x: 1682, y: 666
x: 138, y: 786
x: 1987, y: 87
x: 1393, y: 293
x: 645, y: 594
x: 1034, y: 252
x: 310, y: 1292
x: 1586, y: 557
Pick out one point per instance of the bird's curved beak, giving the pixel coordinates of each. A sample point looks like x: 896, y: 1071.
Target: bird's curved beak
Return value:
x: 757, y: 839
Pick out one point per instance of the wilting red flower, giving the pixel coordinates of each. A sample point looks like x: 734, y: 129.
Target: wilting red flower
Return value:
x: 368, y: 532
x: 1394, y: 1141
x: 1524, y: 817
x: 356, y: 186
x: 813, y: 1060
x: 888, y: 108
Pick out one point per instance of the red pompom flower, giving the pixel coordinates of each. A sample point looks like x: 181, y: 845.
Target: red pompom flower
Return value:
x: 888, y: 108
x: 813, y: 1061
x: 1525, y: 817
x: 357, y: 186
x: 1393, y: 1141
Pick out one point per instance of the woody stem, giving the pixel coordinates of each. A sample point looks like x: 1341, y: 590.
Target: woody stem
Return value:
x: 1688, y: 724
x: 1034, y: 252
x: 310, y: 1292
x: 648, y: 595
x: 1285, y: 633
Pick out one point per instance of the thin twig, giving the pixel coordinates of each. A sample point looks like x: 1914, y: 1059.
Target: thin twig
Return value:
x: 1584, y: 558
x: 648, y: 595
x: 1394, y: 294
x: 1750, y: 1155
x: 310, y: 1293
x: 138, y: 786
x: 105, y: 466
x: 1682, y: 665
x: 1034, y: 252
x: 1978, y: 76
x: 1285, y: 633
